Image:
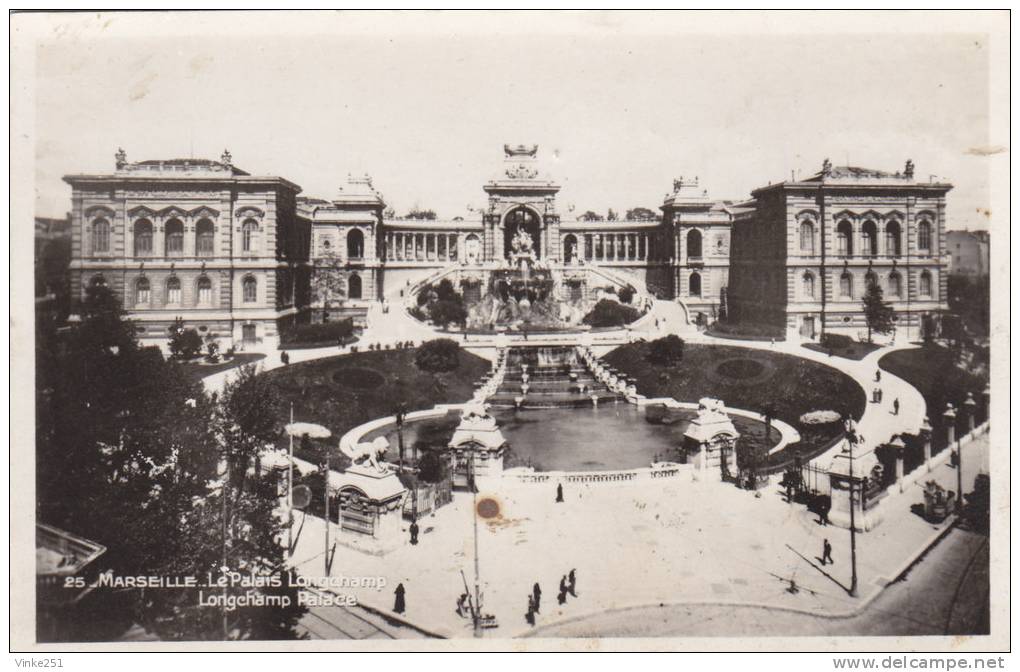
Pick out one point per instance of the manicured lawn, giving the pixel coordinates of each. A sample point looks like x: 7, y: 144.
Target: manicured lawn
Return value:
x: 857, y: 350
x: 751, y: 380
x: 933, y: 371
x: 342, y: 392
x: 196, y: 371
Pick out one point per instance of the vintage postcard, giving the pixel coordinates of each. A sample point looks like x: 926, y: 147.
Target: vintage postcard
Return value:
x: 424, y: 330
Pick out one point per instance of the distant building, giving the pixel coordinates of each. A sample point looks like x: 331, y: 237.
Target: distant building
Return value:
x: 968, y: 252
x: 803, y: 256
x: 199, y: 239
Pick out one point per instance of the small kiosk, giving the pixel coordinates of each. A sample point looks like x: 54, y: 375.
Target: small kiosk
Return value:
x: 713, y: 437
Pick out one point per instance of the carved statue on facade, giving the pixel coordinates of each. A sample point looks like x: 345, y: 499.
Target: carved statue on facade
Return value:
x: 826, y: 168
x: 522, y: 242
x: 120, y: 157
x: 908, y: 170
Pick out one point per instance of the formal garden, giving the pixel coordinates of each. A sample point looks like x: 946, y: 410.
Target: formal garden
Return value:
x: 776, y: 385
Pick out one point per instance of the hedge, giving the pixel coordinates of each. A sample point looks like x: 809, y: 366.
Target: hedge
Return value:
x: 327, y: 333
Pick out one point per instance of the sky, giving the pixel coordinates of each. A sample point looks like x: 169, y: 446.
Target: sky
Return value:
x: 424, y: 103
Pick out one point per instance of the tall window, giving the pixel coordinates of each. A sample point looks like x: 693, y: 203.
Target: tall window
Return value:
x: 893, y: 244
x: 807, y: 237
x: 870, y: 278
x: 694, y: 243
x: 143, y: 238
x: 174, y: 237
x: 204, y: 291
x: 870, y: 232
x: 173, y: 291
x: 354, y: 287
x: 355, y: 244
x: 100, y: 236
x: 809, y: 286
x: 143, y: 291
x: 895, y: 284
x: 204, y: 238
x: 845, y: 238
x: 924, y: 236
x: 695, y: 284
x: 925, y: 288
x: 249, y: 290
x: 846, y: 286
x: 249, y: 234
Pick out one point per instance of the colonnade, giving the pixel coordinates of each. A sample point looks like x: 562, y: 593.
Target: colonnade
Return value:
x: 411, y: 246
x: 607, y: 246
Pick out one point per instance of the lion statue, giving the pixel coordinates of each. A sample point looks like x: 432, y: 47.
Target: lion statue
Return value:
x: 368, y: 452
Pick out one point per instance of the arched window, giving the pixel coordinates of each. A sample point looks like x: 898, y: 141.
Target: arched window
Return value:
x: 870, y: 233
x: 925, y: 288
x: 98, y: 281
x: 354, y: 287
x: 143, y: 291
x: 845, y: 238
x: 143, y: 238
x: 695, y: 284
x: 924, y: 236
x: 249, y: 235
x: 100, y: 236
x: 249, y: 289
x: 895, y: 285
x: 174, y: 236
x: 846, y: 285
x: 807, y: 237
x: 204, y: 238
x: 694, y: 243
x: 870, y: 278
x: 355, y: 244
x: 173, y: 290
x: 204, y: 287
x: 569, y: 248
x: 809, y: 285
x: 893, y: 244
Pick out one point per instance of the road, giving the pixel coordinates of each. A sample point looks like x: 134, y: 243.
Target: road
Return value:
x: 351, y: 623
x: 945, y: 593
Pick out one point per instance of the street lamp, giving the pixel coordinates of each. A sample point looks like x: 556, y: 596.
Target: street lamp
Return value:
x: 950, y: 417
x: 970, y: 406
x: 851, y: 439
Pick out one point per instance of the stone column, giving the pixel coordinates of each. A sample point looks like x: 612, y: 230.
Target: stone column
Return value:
x: 898, y: 445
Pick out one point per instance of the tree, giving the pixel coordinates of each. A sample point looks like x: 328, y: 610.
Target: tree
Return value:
x: 590, y: 216
x: 611, y: 215
x: 185, y: 344
x: 419, y: 213
x: 328, y: 284
x: 609, y: 313
x: 441, y: 354
x: 877, y: 311
x: 128, y: 454
x: 626, y: 294
x: 640, y: 214
x: 446, y: 312
x: 667, y: 350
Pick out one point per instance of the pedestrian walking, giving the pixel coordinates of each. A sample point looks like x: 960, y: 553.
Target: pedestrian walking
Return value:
x: 572, y: 578
x: 559, y: 493
x: 536, y: 592
x: 461, y: 601
x: 563, y: 590
x: 827, y: 553
x: 285, y: 358
x: 895, y: 406
x: 414, y: 533
x: 823, y: 514
x: 398, y: 602
x: 878, y: 375
x: 875, y: 394
x: 530, y: 615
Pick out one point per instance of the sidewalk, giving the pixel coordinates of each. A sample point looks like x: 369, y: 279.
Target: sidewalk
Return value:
x: 669, y: 542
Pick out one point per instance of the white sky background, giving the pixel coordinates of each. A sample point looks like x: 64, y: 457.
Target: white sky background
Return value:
x: 618, y: 104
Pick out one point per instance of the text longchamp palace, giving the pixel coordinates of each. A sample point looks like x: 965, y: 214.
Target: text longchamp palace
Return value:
x: 234, y: 255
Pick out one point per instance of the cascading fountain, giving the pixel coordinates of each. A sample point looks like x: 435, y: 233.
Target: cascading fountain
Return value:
x: 549, y: 377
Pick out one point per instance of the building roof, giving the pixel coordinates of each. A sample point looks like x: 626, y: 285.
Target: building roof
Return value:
x: 865, y: 178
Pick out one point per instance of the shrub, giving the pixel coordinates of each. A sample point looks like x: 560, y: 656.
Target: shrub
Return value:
x: 609, y: 313
x: 327, y: 332
x: 441, y: 354
x: 750, y: 330
x: 626, y: 294
x: 446, y: 311
x: 667, y: 350
x: 184, y: 343
x: 837, y: 341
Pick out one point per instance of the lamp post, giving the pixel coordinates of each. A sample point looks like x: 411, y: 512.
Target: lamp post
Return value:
x: 290, y: 489
x: 950, y: 417
x: 851, y: 440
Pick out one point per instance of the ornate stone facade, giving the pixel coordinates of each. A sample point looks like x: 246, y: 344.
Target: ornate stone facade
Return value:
x: 804, y: 251
x: 191, y: 238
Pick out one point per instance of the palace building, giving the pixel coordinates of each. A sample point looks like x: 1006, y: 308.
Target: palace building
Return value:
x: 241, y: 257
x: 805, y: 251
